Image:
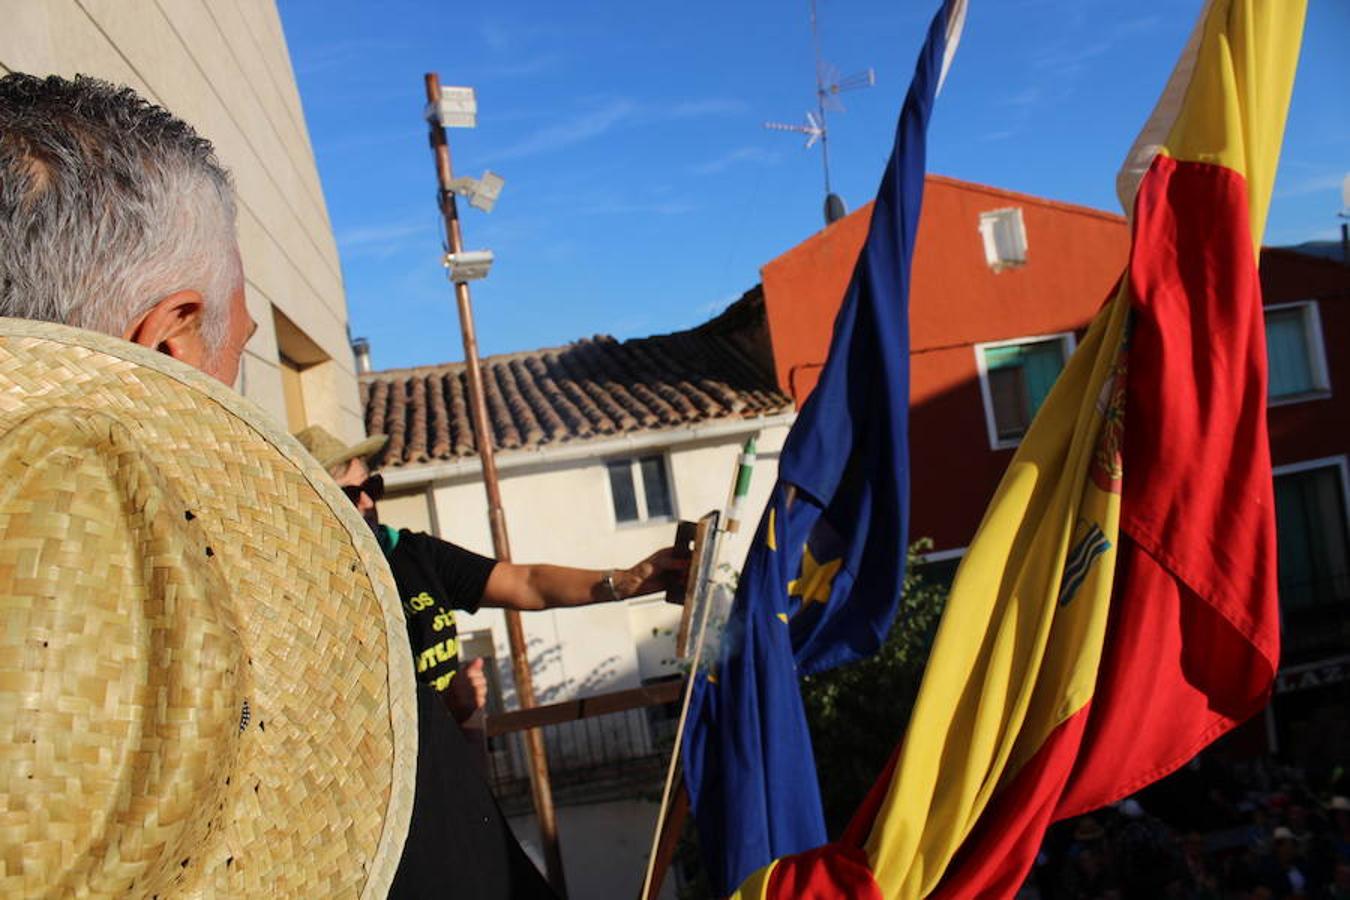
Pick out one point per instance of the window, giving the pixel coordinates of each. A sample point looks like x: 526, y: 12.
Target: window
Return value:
x: 1005, y: 238
x: 640, y: 489
x: 1015, y: 378
x: 1298, y: 368
x: 292, y: 392
x: 1311, y: 532
x: 298, y: 359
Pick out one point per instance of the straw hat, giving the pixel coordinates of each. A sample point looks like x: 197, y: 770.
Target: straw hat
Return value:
x: 330, y: 451
x: 204, y: 681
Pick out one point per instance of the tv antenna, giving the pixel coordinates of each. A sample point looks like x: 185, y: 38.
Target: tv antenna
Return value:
x: 1345, y: 214
x: 829, y: 85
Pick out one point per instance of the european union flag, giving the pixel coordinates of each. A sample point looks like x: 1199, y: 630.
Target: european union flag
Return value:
x: 823, y: 577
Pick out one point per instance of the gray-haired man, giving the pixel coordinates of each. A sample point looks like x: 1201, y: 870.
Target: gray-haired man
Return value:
x: 115, y: 216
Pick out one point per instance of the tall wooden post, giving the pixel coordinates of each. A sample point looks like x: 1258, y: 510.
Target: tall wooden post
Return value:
x: 520, y: 662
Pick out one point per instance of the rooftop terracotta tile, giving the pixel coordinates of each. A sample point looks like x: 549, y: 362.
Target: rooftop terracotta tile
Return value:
x: 590, y: 389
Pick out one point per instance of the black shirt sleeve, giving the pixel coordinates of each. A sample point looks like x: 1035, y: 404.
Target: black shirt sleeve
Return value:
x: 462, y: 573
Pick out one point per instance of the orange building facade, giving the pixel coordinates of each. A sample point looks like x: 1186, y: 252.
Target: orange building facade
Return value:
x: 1003, y: 286
x: 959, y: 304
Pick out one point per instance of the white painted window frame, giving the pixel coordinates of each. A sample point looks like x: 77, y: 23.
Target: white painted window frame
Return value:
x: 1068, y: 343
x: 937, y: 556
x: 640, y: 489
x: 1316, y: 349
x: 942, y: 555
x: 1007, y: 219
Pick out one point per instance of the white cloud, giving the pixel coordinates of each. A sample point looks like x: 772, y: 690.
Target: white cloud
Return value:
x: 1136, y: 26
x: 1328, y: 182
x: 713, y: 106
x: 523, y: 68
x: 732, y: 158
x: 496, y: 36
x: 1066, y: 63
x: 341, y: 55
x: 1065, y: 59
x: 386, y: 239
x: 627, y: 207
x: 575, y: 130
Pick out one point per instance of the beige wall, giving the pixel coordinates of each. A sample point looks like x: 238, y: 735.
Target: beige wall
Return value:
x: 223, y: 66
x: 561, y: 512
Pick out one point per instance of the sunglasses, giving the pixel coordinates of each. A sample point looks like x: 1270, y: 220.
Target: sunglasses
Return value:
x: 372, y: 487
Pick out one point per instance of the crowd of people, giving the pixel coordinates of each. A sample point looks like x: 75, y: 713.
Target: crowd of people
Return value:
x: 1254, y: 830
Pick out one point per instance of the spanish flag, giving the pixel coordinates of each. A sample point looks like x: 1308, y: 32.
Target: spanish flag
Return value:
x: 1117, y: 609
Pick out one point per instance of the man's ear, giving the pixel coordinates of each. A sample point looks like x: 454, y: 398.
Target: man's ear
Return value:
x: 173, y: 326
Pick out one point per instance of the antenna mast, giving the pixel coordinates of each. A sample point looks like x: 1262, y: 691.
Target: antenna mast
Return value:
x: 828, y: 87
x: 820, y: 104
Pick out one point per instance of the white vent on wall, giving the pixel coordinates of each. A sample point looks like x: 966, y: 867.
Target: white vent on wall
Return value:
x: 1005, y: 238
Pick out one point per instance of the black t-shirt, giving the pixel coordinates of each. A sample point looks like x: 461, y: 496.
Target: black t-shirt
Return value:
x: 459, y: 844
x: 434, y: 579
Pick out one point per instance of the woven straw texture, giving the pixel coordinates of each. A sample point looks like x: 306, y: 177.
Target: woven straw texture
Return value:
x: 204, y: 685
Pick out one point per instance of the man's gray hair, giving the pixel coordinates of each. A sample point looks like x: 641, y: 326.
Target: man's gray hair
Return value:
x: 107, y: 205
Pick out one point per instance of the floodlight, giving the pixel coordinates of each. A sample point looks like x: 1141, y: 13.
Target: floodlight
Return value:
x: 482, y: 192
x: 458, y: 108
x: 485, y: 194
x: 469, y: 265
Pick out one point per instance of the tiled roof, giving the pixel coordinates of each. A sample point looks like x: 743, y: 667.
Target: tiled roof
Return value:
x: 591, y: 388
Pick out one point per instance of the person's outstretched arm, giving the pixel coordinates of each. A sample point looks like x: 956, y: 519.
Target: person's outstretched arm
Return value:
x: 542, y: 586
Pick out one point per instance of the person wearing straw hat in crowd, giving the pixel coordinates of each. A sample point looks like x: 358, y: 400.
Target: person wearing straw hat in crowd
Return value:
x: 435, y: 577
x: 197, y: 688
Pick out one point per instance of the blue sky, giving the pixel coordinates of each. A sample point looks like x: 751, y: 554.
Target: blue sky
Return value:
x: 643, y: 193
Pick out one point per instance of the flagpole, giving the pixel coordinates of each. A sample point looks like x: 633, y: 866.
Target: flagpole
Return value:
x: 540, y: 787
x: 667, y: 825
x: 649, y: 885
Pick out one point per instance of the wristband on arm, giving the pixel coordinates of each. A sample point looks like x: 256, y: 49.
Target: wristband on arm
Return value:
x: 608, y: 581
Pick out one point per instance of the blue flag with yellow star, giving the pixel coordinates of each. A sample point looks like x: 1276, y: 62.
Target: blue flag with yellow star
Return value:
x: 823, y: 577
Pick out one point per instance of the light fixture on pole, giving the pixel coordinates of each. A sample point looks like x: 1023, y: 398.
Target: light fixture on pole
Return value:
x: 468, y: 265
x: 457, y: 108
x: 482, y: 192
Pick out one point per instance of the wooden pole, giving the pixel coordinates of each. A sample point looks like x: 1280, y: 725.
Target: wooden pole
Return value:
x: 669, y: 830
x: 534, y: 738
x: 675, y: 794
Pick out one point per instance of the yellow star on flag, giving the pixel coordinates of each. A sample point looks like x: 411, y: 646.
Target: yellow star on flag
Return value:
x: 817, y: 579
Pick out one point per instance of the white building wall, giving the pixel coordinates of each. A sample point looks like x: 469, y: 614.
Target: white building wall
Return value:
x: 604, y: 847
x: 560, y: 512
x: 223, y: 66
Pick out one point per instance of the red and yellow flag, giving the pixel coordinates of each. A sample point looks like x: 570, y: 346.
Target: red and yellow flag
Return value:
x: 1117, y: 609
